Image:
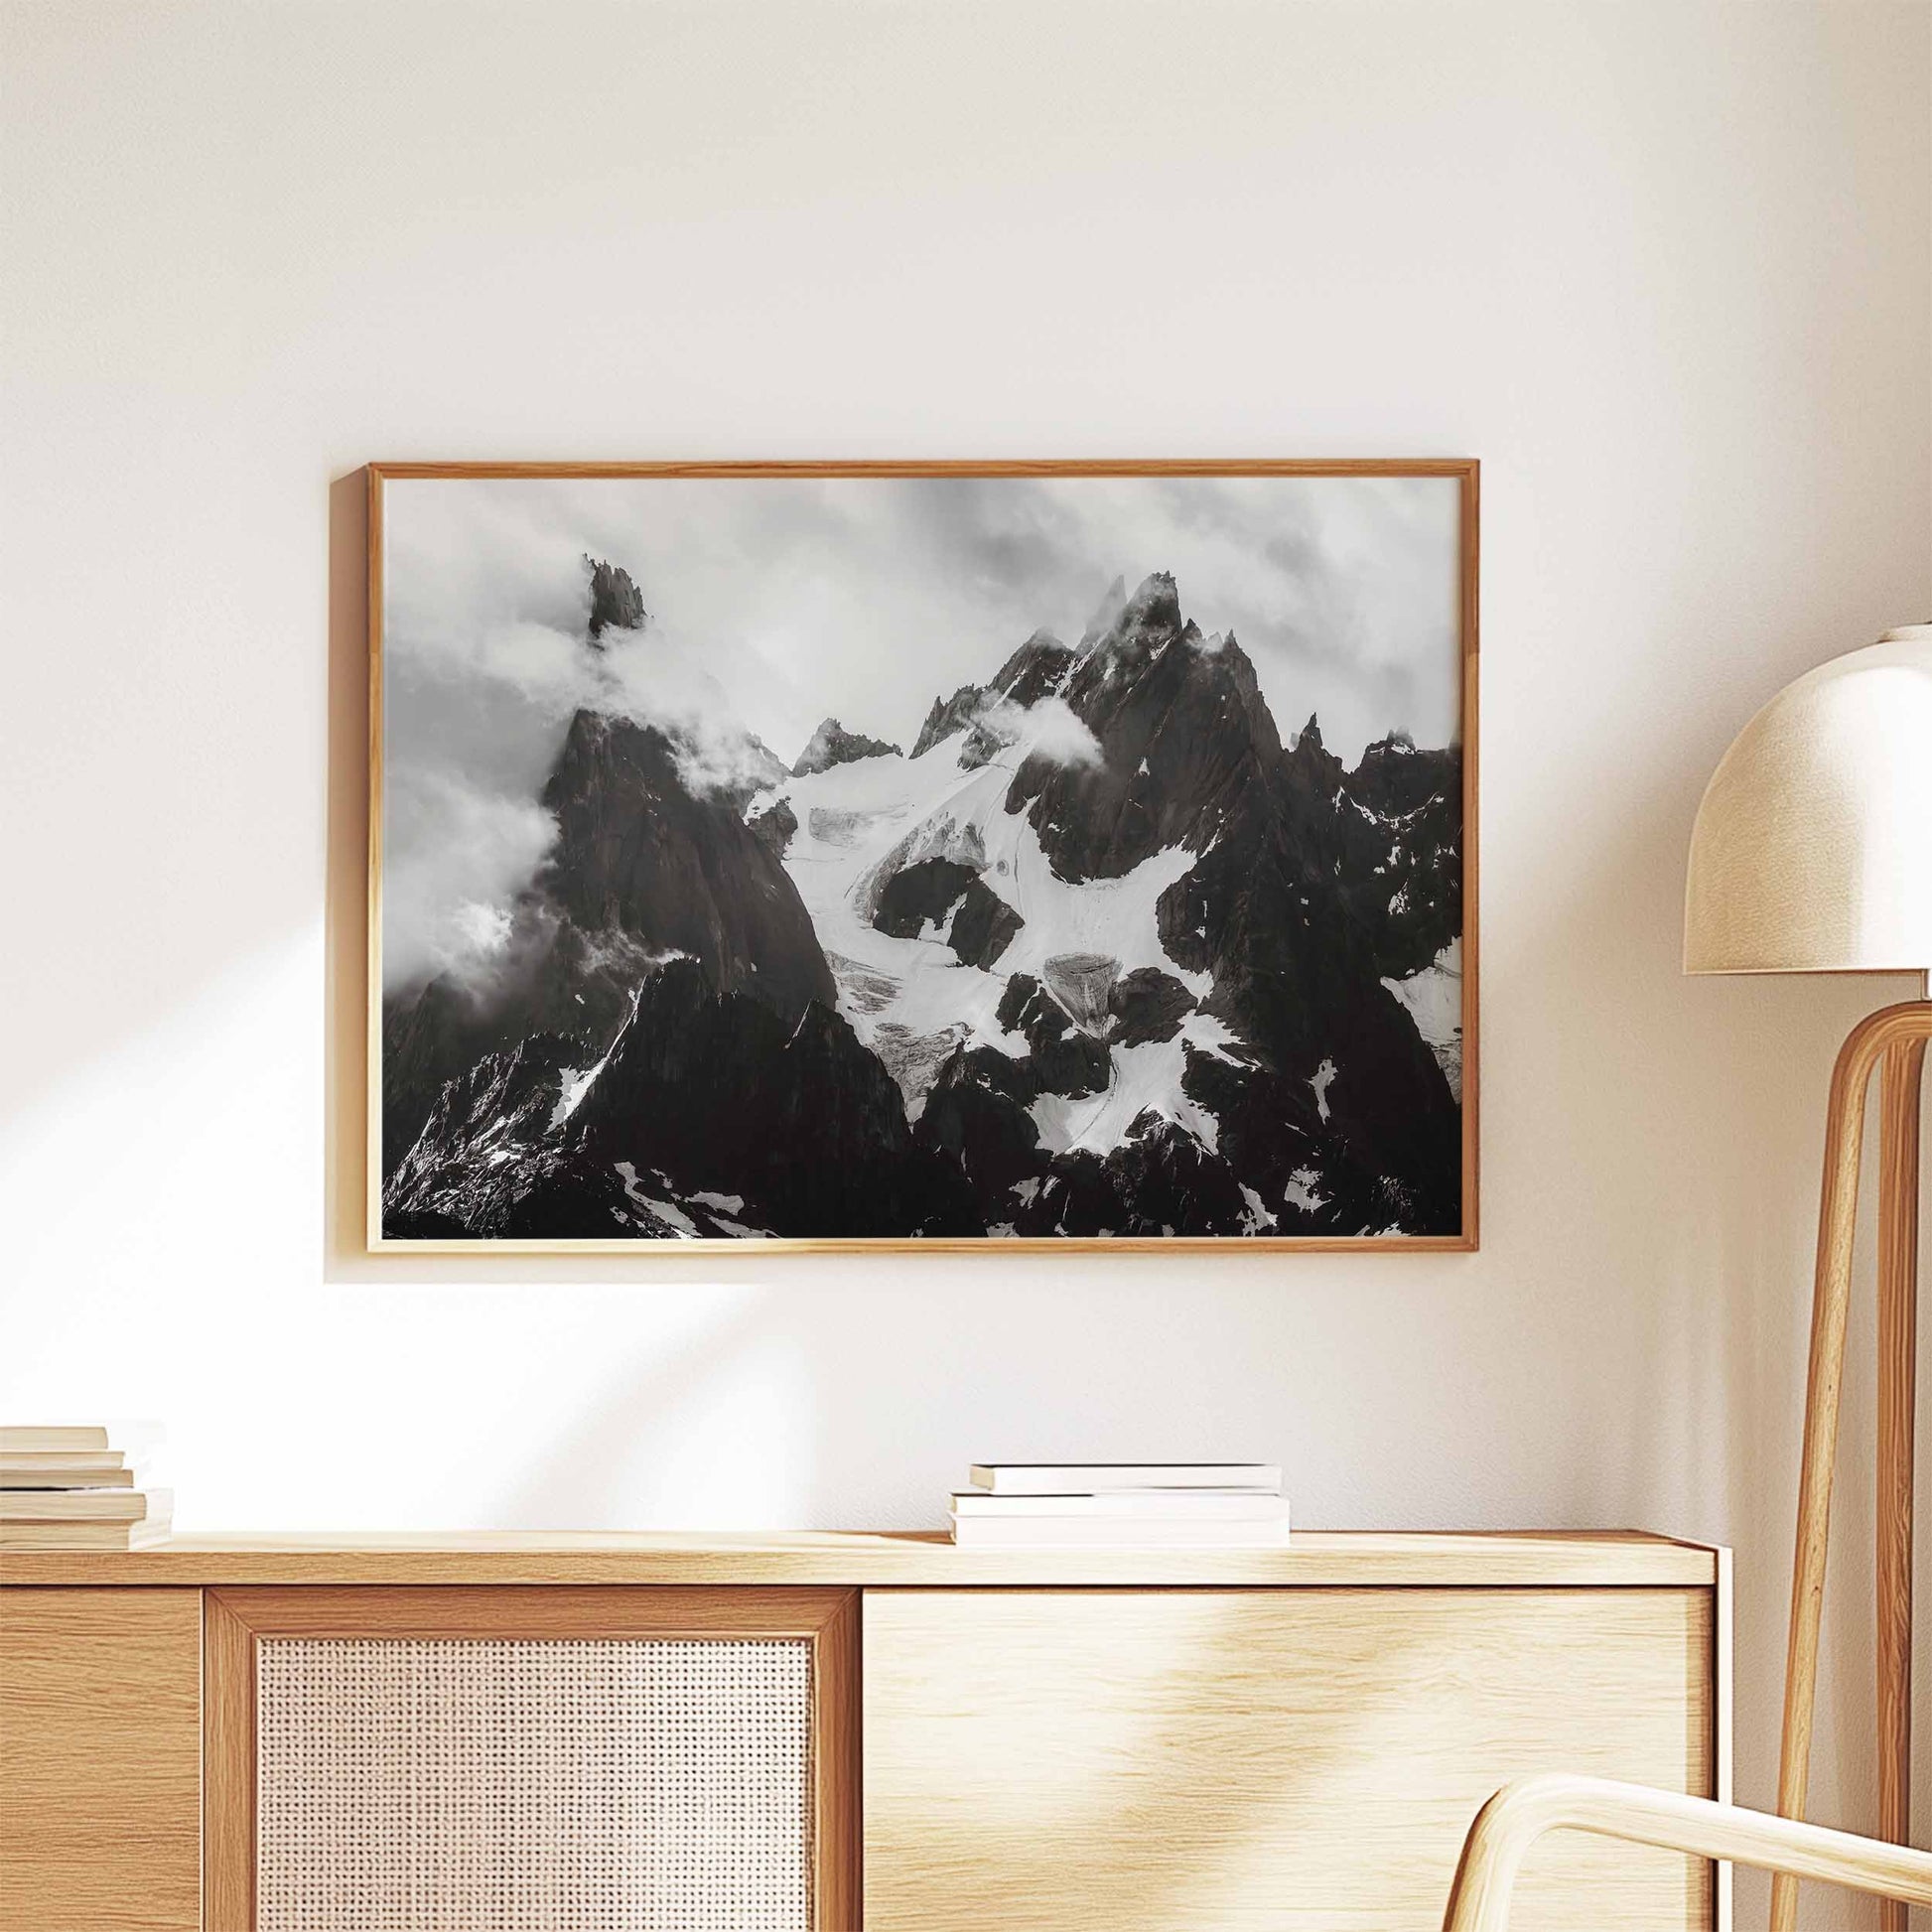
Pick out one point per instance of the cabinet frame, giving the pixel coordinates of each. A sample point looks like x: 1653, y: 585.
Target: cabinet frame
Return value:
x: 235, y: 1621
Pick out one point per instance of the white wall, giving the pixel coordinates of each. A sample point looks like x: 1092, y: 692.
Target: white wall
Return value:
x: 1666, y: 269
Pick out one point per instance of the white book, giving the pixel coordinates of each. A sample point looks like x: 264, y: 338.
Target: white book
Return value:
x: 65, y: 1469
x: 1115, y: 1532
x: 22, y: 1436
x: 1142, y: 1505
x: 84, y: 1505
x: 1103, y: 1478
x: 83, y: 1536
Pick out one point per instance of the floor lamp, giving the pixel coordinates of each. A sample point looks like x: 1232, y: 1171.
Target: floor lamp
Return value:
x: 1813, y: 854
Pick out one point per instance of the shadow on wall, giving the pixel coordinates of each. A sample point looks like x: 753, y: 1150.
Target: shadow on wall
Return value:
x: 346, y: 973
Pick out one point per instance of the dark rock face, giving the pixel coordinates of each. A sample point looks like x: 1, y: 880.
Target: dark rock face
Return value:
x: 1183, y: 729
x: 976, y: 1116
x: 1165, y: 1183
x: 948, y: 715
x: 1062, y: 1056
x: 1147, y: 1007
x: 974, y: 920
x: 1035, y: 670
x: 920, y: 895
x: 774, y: 827
x: 983, y: 926
x: 1404, y: 856
x: 720, y: 1094
x: 486, y: 1146
x: 833, y: 744
x: 710, y: 1116
x: 641, y: 867
x: 617, y: 604
x: 638, y: 851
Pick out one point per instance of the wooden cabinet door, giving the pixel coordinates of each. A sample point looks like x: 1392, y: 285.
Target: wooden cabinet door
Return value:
x: 1301, y: 1760
x: 101, y: 1760
x: 643, y: 1759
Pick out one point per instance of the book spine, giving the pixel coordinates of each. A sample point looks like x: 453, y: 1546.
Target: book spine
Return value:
x: 1073, y: 1478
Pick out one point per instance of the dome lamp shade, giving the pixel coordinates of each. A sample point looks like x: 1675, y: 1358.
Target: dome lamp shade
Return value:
x: 1811, y: 851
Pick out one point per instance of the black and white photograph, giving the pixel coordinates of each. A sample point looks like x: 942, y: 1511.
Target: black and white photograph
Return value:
x: 1067, y: 854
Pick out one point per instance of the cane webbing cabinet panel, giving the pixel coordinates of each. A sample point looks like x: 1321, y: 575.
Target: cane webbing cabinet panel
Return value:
x: 626, y: 1784
x: 816, y: 1733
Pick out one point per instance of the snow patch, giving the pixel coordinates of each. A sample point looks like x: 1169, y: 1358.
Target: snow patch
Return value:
x: 667, y: 1211
x: 1324, y: 1079
x: 1433, y: 997
x: 1301, y: 1191
x: 1139, y: 1079
x: 575, y: 1085
x: 1256, y: 1219
x: 727, y: 1225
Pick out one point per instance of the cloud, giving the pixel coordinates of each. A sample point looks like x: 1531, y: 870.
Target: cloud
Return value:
x: 1049, y: 729
x: 449, y: 882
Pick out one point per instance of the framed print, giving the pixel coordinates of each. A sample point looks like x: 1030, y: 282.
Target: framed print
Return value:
x: 856, y: 855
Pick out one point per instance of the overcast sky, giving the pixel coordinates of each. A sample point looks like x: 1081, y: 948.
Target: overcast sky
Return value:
x: 780, y: 602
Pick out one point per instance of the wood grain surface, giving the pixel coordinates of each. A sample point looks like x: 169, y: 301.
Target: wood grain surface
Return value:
x: 1312, y: 1559
x: 101, y: 1760
x: 1068, y: 1762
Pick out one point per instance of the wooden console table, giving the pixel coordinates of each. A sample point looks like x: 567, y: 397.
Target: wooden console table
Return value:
x: 1072, y: 1740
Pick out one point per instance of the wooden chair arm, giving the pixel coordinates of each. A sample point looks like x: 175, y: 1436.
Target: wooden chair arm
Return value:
x: 1520, y: 1813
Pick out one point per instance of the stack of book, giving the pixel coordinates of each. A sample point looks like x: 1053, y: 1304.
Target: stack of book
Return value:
x: 66, y: 1490
x: 1122, y: 1506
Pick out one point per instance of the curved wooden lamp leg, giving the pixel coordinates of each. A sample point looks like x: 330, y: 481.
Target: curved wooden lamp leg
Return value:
x: 1831, y: 1298
x: 1899, y: 1172
x: 1867, y: 1042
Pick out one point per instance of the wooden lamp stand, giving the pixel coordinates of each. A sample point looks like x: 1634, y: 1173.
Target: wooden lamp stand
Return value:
x: 1892, y: 1040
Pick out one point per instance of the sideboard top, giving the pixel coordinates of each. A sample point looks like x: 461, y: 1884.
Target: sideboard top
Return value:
x: 1314, y: 1559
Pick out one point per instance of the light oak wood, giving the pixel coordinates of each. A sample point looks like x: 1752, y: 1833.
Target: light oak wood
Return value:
x: 229, y: 1768
x: 1899, y: 1082
x: 1313, y: 1559
x: 837, y: 1772
x: 1465, y: 471
x: 1080, y: 1760
x: 239, y: 1621
x: 1724, y: 1693
x: 1523, y: 1812
x: 1895, y: 1029
x: 101, y: 1760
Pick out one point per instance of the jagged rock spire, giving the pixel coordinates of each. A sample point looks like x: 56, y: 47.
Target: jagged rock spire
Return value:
x: 617, y: 604
x: 831, y: 744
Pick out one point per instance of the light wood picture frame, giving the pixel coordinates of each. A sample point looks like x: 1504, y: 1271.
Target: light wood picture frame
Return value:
x: 1099, y: 956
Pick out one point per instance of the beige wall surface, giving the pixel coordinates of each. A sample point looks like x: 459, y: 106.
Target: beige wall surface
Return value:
x: 1666, y: 269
